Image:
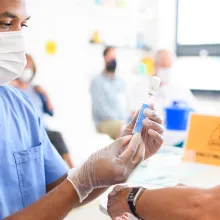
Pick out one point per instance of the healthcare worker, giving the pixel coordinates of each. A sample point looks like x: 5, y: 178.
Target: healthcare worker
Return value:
x: 168, y: 92
x: 34, y: 184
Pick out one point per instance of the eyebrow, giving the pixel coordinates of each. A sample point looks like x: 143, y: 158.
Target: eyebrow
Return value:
x: 11, y: 15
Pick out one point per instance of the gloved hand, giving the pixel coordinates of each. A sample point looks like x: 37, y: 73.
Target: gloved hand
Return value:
x: 152, y: 132
x: 108, y: 166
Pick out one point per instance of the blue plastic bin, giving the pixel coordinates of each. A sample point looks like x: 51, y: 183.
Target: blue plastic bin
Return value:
x: 177, y: 116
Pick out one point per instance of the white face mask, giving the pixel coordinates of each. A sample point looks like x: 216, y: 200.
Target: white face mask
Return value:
x: 26, y: 75
x: 164, y: 74
x: 12, y: 56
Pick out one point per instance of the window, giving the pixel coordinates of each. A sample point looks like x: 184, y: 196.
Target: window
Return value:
x: 198, y: 27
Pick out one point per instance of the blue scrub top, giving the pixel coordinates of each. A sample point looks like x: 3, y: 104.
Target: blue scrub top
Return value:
x: 28, y: 161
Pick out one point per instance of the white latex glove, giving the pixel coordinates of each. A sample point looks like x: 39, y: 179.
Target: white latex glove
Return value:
x: 152, y: 132
x: 110, y: 165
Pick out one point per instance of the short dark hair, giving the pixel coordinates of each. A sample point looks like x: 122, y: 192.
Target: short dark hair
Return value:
x: 106, y: 50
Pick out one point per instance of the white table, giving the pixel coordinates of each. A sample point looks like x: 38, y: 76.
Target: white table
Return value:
x: 172, y: 137
x: 167, y: 169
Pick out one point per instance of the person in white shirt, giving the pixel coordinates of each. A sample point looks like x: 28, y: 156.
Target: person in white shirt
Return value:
x: 168, y: 91
x: 109, y: 98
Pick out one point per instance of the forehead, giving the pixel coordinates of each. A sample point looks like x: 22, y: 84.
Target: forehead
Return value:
x: 17, y: 7
x: 165, y: 54
x: 165, y: 57
x: 111, y: 52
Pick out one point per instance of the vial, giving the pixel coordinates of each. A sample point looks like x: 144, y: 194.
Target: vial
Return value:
x: 153, y: 88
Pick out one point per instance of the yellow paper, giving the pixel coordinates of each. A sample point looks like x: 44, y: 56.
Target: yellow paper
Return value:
x: 51, y: 47
x: 203, y: 142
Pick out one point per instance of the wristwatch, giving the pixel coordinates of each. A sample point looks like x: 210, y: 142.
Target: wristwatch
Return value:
x: 133, y: 198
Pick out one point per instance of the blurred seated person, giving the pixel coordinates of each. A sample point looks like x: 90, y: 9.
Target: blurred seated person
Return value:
x: 109, y: 98
x: 43, y: 105
x: 168, y: 92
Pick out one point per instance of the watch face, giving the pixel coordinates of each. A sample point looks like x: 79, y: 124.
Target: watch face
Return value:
x: 132, y: 194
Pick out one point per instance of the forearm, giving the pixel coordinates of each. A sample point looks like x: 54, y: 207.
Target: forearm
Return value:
x: 48, y: 103
x: 94, y: 195
x: 67, y: 159
x: 55, y: 205
x: 175, y: 203
x: 41, y: 91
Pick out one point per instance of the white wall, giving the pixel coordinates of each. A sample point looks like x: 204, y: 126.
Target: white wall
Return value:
x: 195, y: 72
x: 166, y: 24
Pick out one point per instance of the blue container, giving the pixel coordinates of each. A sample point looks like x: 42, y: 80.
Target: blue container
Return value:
x: 177, y: 116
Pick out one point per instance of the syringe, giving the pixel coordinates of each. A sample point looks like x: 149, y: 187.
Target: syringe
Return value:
x: 136, y: 133
x: 153, y: 88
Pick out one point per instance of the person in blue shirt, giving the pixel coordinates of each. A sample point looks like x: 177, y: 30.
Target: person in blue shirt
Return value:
x: 109, y: 98
x: 43, y: 105
x: 35, y: 183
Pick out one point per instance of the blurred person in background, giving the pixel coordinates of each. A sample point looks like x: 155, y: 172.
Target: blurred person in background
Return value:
x: 109, y: 98
x: 168, y: 92
x: 43, y: 104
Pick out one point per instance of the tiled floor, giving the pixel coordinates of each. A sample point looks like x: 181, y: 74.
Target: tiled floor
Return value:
x: 89, y: 212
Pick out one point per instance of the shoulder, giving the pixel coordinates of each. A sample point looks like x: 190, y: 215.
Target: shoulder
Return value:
x: 15, y: 97
x: 12, y: 92
x: 97, y: 80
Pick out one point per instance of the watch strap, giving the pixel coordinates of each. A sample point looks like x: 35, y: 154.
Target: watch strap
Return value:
x: 133, y: 198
